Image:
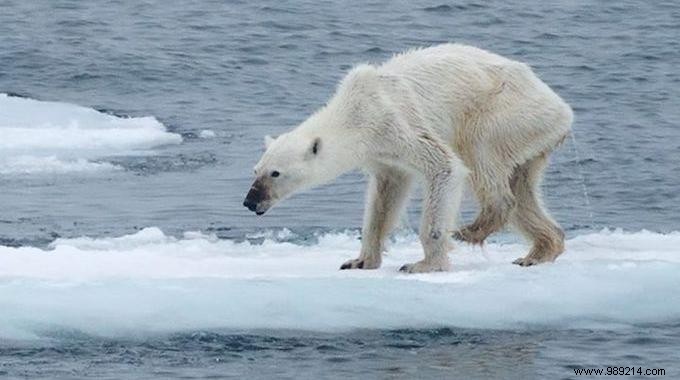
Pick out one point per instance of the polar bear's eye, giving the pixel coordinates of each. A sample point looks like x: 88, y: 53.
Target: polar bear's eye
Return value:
x: 316, y: 146
x: 275, y: 174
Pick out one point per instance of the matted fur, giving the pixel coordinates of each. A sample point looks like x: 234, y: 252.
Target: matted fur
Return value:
x: 442, y: 115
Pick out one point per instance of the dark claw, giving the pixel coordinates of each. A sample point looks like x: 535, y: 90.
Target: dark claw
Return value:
x: 346, y: 266
x: 404, y: 268
x: 360, y: 265
x: 523, y: 263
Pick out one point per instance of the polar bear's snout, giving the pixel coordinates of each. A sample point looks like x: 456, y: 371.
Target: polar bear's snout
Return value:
x: 258, y: 199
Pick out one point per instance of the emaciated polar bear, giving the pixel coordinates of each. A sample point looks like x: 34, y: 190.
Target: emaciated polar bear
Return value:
x: 442, y: 114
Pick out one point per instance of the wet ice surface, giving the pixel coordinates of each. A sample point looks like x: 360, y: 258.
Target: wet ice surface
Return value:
x: 42, y: 137
x: 152, y: 283
x: 152, y: 305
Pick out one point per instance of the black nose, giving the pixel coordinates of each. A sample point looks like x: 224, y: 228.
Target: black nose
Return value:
x: 252, y: 206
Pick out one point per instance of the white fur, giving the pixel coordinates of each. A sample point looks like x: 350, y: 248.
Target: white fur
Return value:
x: 435, y: 115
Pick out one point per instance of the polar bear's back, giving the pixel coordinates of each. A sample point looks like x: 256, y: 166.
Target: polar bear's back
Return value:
x: 467, y: 93
x: 461, y: 73
x: 461, y: 56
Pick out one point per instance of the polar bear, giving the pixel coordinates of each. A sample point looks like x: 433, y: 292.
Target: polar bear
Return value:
x: 445, y: 115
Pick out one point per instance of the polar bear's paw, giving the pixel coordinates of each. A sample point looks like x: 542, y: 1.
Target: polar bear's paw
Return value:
x: 526, y: 261
x: 361, y: 263
x: 531, y: 260
x: 424, y: 266
x: 471, y: 234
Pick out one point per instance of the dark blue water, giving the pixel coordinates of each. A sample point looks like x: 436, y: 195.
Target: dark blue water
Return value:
x: 246, y: 69
x: 437, y: 353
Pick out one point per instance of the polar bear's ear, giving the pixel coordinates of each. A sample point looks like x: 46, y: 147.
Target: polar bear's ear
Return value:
x: 268, y: 140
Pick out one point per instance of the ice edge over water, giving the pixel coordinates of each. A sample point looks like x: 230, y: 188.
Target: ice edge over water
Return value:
x: 149, y: 282
x: 53, y: 137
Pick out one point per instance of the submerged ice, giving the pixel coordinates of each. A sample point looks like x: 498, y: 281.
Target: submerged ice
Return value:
x: 149, y: 282
x: 40, y: 136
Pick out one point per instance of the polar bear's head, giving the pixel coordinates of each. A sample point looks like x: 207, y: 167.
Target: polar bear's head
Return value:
x: 291, y: 162
x: 329, y: 143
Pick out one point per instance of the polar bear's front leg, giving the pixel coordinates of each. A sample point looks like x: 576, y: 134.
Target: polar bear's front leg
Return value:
x: 387, y: 193
x: 443, y: 194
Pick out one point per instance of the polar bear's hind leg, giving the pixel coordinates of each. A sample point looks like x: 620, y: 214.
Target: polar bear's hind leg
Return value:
x: 496, y: 201
x: 529, y: 216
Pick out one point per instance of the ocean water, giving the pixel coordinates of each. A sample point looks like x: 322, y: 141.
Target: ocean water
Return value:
x: 128, y: 132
